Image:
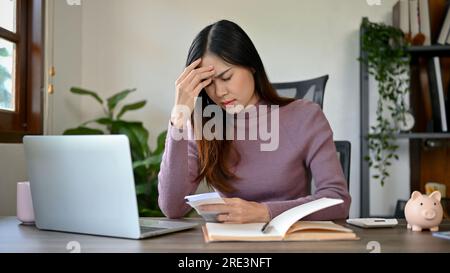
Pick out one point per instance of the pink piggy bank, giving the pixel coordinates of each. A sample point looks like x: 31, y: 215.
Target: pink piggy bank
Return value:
x: 424, y: 212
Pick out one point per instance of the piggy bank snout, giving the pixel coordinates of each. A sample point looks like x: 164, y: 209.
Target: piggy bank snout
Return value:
x: 429, y: 214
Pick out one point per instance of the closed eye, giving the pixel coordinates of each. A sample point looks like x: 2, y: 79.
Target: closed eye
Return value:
x: 226, y: 79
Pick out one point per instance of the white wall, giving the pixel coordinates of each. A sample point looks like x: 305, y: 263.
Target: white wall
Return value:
x: 143, y: 44
x: 12, y: 170
x: 64, y: 51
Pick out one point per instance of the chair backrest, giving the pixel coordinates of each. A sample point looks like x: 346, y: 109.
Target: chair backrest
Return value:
x: 313, y: 89
x: 343, y: 149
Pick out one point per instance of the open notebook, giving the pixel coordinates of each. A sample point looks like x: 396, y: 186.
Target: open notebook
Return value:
x: 284, y: 227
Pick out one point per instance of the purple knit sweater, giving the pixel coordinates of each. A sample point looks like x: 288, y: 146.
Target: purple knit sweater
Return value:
x: 278, y: 178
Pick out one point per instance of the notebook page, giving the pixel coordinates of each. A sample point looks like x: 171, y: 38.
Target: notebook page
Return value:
x: 286, y: 219
x: 252, y: 230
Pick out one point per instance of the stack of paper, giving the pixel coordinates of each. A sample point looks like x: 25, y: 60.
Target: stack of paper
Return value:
x: 203, y: 199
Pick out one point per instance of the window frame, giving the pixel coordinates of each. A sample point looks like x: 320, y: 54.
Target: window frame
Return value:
x: 27, y: 119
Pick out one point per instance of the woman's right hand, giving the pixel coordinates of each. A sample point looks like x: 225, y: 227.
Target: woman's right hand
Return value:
x: 188, y: 86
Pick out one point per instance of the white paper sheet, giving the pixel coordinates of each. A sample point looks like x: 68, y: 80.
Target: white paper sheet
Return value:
x: 286, y: 219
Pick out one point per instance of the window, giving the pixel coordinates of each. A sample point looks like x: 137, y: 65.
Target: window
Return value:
x: 21, y: 69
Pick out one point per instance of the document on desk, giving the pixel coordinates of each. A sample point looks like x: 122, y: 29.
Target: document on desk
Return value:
x: 442, y: 234
x: 204, y: 199
x: 284, y: 227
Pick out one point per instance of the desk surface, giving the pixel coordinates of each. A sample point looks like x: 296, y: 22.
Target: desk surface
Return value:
x: 15, y: 237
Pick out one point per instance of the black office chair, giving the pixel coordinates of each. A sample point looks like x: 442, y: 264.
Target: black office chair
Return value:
x: 313, y: 89
x: 343, y: 149
x: 400, y: 209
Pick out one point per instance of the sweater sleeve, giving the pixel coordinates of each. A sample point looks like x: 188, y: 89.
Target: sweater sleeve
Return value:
x: 320, y: 157
x: 179, y: 168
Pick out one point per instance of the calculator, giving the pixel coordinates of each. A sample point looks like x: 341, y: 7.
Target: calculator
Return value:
x: 372, y: 222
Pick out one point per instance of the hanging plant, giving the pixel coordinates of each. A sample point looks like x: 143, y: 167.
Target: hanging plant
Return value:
x: 388, y: 62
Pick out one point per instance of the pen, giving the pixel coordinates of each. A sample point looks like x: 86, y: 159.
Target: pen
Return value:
x: 266, y: 228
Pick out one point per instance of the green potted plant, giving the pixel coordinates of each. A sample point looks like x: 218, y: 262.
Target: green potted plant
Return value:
x: 388, y: 61
x: 146, y: 163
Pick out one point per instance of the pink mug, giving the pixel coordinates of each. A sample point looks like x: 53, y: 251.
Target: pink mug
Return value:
x: 25, y: 211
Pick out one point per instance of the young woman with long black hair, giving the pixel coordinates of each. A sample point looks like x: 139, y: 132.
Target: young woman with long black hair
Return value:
x: 224, y: 69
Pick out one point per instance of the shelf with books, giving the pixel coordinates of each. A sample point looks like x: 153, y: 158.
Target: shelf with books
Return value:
x: 428, y: 51
x: 412, y: 135
x: 423, y: 135
x: 429, y: 106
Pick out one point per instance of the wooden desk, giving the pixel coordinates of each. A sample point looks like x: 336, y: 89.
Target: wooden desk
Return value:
x: 18, y: 238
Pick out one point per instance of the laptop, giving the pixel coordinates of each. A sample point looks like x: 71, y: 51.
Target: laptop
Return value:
x: 85, y: 184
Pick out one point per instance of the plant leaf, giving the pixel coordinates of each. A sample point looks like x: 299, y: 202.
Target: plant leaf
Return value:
x: 145, y: 212
x: 152, y: 160
x: 102, y: 121
x: 114, y: 100
x: 83, y: 131
x: 142, y: 188
x: 80, y: 91
x: 4, y: 52
x: 4, y: 75
x: 137, y: 135
x: 160, y: 143
x: 129, y: 107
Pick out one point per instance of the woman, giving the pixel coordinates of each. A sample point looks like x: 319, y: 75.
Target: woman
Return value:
x: 223, y: 69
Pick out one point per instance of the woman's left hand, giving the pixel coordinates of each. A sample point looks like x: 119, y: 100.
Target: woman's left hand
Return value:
x: 239, y: 211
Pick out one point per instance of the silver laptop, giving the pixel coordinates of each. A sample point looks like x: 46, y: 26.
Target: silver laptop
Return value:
x: 85, y: 184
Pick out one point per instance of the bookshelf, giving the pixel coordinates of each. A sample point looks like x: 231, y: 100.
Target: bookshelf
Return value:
x: 429, y: 51
x: 424, y: 136
x: 417, y: 138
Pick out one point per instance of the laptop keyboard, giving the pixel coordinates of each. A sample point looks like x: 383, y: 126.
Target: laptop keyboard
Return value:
x: 145, y: 229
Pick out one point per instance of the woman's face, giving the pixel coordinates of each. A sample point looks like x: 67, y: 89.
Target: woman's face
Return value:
x: 232, y: 87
